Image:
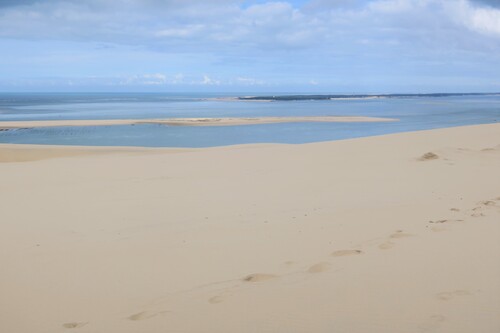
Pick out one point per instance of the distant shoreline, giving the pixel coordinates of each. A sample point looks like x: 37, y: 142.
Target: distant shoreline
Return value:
x: 347, y: 97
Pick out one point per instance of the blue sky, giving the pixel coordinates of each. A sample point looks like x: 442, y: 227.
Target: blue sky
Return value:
x: 370, y: 46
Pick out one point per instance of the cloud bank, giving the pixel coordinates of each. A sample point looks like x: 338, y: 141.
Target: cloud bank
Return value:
x: 335, y: 44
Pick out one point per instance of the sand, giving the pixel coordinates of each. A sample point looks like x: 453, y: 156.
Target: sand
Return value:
x: 6, y: 125
x: 364, y: 235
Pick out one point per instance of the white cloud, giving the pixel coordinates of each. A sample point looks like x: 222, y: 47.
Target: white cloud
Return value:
x: 275, y: 41
x: 484, y: 20
x: 154, y: 79
x: 184, y: 32
x: 183, y: 25
x: 178, y: 78
x: 391, y: 6
x: 161, y: 23
x: 144, y: 79
x: 156, y: 76
x: 209, y: 81
x: 249, y: 81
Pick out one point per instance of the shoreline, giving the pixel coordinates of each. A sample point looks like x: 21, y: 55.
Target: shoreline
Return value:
x: 322, y: 97
x: 55, y: 150
x: 340, y: 97
x: 6, y: 125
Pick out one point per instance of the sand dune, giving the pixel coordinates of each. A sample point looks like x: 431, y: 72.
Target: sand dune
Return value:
x: 350, y: 236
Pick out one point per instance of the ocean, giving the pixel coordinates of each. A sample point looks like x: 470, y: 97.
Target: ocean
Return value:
x: 414, y: 113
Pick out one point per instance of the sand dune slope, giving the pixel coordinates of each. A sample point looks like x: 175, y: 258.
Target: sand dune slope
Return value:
x: 391, y: 234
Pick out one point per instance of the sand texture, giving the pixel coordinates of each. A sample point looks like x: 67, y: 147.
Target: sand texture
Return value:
x: 390, y: 234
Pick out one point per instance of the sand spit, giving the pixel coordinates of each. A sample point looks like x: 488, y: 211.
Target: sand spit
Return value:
x: 6, y: 125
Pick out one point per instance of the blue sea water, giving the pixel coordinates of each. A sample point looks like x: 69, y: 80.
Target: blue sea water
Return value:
x: 414, y: 113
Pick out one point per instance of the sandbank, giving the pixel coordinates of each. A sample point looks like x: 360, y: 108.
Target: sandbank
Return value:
x: 187, y: 121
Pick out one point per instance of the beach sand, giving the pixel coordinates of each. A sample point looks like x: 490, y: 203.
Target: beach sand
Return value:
x: 6, y: 125
x: 390, y: 234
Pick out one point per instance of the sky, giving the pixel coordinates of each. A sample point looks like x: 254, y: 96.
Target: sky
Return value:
x: 327, y: 46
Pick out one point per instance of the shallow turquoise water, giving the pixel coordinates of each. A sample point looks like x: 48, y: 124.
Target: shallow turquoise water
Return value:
x: 417, y: 113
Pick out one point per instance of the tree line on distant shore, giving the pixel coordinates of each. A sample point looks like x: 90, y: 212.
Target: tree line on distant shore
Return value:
x: 327, y: 97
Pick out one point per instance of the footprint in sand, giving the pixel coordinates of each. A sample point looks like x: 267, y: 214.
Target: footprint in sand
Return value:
x: 386, y: 245
x: 343, y: 253
x: 74, y: 325
x: 400, y: 234
x: 476, y: 213
x: 438, y: 221
x: 216, y: 299
x: 487, y: 203
x: 433, y: 323
x: 254, y: 278
x: 438, y: 229
x: 258, y: 277
x: 444, y: 221
x: 428, y: 157
x: 482, y: 206
x: 448, y: 295
x: 491, y: 149
x: 319, y: 268
x: 145, y: 315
